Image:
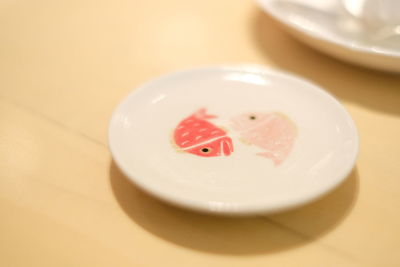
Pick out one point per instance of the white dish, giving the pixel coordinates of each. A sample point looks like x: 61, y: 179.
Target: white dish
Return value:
x: 328, y: 27
x: 308, y: 141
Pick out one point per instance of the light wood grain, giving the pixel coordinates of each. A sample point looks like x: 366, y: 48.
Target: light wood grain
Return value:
x: 65, y: 65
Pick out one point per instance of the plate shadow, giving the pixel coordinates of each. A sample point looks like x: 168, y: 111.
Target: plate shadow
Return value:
x: 234, y: 235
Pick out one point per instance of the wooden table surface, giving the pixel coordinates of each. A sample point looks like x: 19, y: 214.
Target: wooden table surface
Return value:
x: 64, y: 67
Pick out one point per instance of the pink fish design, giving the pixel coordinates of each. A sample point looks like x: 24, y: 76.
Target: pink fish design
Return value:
x: 200, y: 137
x: 273, y: 132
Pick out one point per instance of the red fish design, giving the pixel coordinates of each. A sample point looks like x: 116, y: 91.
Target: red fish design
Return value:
x: 200, y: 137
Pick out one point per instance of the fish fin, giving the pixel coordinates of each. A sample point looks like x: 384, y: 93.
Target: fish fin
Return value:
x: 227, y: 146
x: 202, y: 114
x: 271, y: 156
x: 289, y: 120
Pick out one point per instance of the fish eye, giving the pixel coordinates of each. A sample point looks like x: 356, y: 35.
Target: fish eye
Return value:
x: 205, y: 150
x: 252, y: 117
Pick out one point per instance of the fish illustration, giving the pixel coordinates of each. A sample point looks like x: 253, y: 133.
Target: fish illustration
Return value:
x: 196, y: 135
x: 275, y: 133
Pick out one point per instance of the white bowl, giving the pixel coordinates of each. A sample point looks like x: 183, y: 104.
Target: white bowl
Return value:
x: 325, y: 26
x: 308, y: 140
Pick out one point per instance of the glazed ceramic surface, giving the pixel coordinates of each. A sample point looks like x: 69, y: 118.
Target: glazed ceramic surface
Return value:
x: 233, y: 139
x: 351, y: 30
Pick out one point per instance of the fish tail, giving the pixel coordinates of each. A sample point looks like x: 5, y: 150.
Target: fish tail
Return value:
x: 202, y: 114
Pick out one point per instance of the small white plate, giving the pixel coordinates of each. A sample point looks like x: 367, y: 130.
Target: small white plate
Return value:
x: 233, y: 139
x: 326, y: 26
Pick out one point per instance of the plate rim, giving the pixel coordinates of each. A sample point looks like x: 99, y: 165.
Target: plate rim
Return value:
x: 341, y: 42
x: 231, y: 209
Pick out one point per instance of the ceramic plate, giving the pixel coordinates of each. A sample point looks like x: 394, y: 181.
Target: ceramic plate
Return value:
x: 233, y: 139
x: 326, y: 26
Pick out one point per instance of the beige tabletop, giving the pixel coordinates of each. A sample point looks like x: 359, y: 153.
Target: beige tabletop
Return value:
x: 65, y: 65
